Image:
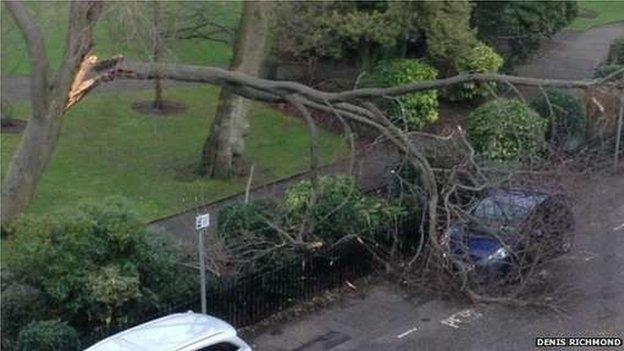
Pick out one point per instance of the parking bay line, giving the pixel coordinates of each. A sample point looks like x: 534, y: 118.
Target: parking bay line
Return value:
x: 462, y: 317
x: 408, y: 332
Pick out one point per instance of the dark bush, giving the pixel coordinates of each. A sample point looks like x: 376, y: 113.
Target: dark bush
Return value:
x: 241, y: 220
x: 565, y: 116
x: 97, y: 265
x: 506, y: 129
x: 606, y: 70
x: 340, y: 209
x: 516, y: 28
x: 616, y: 52
x: 51, y: 335
x: 21, y: 304
x: 248, y: 230
x: 6, y: 278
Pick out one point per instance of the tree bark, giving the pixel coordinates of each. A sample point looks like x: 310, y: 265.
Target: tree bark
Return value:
x: 156, y: 51
x: 223, y: 150
x: 49, y: 100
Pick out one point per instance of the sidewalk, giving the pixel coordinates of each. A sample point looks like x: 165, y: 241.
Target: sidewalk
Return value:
x: 370, y: 169
x: 375, y: 317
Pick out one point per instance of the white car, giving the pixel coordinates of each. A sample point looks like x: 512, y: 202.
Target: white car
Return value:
x: 176, y: 332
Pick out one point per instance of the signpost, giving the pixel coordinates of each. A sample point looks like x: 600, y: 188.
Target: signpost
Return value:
x: 201, y: 223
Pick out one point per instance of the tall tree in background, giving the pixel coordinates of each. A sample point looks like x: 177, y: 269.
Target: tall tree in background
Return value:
x: 151, y: 30
x: 156, y: 54
x: 222, y: 152
x: 448, y: 35
x: 515, y: 28
x: 51, y: 94
x: 369, y: 31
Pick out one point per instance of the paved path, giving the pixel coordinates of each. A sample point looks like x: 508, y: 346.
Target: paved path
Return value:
x: 388, y: 319
x: 572, y: 55
x: 17, y: 88
x: 370, y: 169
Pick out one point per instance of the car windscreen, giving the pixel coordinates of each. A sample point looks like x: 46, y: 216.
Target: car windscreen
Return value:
x: 506, y: 207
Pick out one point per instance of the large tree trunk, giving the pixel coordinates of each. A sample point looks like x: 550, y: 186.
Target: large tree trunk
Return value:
x: 49, y: 99
x: 27, y: 165
x: 223, y: 149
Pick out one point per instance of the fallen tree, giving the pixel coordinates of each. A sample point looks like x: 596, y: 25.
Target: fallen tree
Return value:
x: 353, y: 104
x: 439, y: 189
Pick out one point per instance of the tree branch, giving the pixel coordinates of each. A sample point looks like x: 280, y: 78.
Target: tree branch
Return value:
x: 257, y: 88
x: 83, y: 16
x: 39, y: 65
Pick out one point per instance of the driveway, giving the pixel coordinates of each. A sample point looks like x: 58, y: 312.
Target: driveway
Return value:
x: 388, y: 319
x: 572, y: 55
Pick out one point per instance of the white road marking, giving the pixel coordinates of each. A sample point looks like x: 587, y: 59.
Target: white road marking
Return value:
x: 621, y: 226
x: 585, y: 256
x: 461, y: 317
x: 401, y: 336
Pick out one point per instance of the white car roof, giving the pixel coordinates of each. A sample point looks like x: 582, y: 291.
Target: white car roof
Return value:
x: 173, y: 332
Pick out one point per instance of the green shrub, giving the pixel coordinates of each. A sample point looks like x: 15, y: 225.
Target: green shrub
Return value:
x: 21, y: 304
x: 96, y: 265
x: 412, y: 111
x: 524, y: 24
x: 51, y: 335
x: 480, y: 59
x: 249, y: 229
x: 606, y: 70
x: 616, y: 52
x: 6, y: 277
x: 340, y: 209
x: 240, y: 220
x: 567, y: 121
x: 506, y: 129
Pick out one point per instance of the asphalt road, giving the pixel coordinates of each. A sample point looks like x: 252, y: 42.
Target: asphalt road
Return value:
x: 572, y: 55
x: 385, y: 318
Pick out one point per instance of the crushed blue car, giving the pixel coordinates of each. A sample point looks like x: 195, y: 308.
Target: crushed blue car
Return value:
x: 507, y: 229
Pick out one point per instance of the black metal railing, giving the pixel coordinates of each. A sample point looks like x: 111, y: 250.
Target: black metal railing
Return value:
x: 252, y: 298
x: 246, y: 300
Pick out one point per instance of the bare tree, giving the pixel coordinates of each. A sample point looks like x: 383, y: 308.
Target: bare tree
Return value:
x: 223, y: 150
x: 50, y: 97
x: 157, y: 53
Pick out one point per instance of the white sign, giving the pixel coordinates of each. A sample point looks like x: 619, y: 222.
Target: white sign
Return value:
x: 202, y: 221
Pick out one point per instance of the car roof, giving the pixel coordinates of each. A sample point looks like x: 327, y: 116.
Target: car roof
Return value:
x: 169, y: 333
x: 524, y: 198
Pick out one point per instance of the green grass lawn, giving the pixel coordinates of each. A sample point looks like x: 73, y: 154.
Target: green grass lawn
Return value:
x: 106, y: 148
x: 52, y: 19
x: 605, y: 11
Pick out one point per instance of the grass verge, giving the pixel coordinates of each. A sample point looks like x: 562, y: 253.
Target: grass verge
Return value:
x: 107, y: 148
x: 597, y: 13
x: 111, y: 37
